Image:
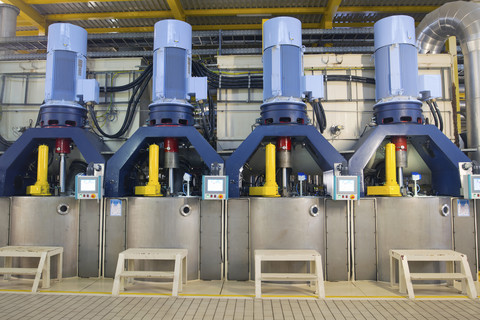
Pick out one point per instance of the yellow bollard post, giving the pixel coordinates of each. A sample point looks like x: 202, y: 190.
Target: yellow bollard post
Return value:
x: 391, y: 187
x: 270, y: 188
x: 152, y: 189
x: 41, y: 187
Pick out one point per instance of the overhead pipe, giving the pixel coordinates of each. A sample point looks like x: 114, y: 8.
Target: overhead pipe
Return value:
x: 460, y: 19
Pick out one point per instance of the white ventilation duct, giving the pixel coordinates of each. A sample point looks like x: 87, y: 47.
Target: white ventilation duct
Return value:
x: 460, y: 19
x: 8, y: 20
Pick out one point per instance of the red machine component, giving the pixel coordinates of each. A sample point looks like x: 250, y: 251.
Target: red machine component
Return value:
x: 400, y: 143
x: 284, y: 144
x: 62, y: 145
x: 171, y: 145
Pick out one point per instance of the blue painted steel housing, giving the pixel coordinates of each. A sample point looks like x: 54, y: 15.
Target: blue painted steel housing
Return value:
x: 62, y: 116
x: 171, y: 116
x: 396, y: 70
x: 283, y: 111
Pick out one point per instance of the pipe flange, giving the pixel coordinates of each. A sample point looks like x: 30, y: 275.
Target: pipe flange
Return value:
x: 185, y: 210
x: 314, y: 210
x: 63, y: 209
x: 445, y: 210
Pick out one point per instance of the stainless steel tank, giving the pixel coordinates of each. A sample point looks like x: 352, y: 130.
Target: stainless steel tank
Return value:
x: 4, y: 222
x: 47, y: 221
x: 286, y: 223
x: 412, y: 223
x: 165, y: 223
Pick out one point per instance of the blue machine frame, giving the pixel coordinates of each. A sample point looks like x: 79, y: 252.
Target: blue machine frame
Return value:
x: 322, y: 151
x: 14, y: 161
x: 438, y: 152
x: 121, y: 163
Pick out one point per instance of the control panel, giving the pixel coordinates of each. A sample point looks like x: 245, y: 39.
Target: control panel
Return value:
x: 471, y: 186
x: 346, y: 188
x: 88, y: 187
x: 215, y: 187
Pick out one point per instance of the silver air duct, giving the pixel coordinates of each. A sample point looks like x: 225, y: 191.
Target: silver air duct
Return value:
x: 8, y: 20
x: 460, y: 19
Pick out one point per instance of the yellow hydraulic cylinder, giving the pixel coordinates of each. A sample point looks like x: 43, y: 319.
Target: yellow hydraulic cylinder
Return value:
x: 152, y: 189
x: 270, y: 188
x: 41, y: 187
x: 391, y: 187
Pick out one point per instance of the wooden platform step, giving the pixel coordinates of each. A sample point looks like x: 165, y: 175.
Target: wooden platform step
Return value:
x: 437, y: 276
x: 288, y: 276
x: 23, y: 271
x: 148, y: 274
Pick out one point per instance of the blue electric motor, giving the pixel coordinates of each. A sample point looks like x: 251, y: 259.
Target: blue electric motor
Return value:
x: 66, y: 88
x: 172, y: 81
x: 284, y: 84
x: 396, y: 71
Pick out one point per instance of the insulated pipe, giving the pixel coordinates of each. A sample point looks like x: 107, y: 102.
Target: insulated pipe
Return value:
x: 460, y: 19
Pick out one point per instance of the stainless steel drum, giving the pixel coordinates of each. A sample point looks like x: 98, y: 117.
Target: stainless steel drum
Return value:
x: 47, y: 221
x: 286, y: 223
x: 165, y: 223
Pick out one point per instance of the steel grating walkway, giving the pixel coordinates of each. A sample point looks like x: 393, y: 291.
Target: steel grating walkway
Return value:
x: 61, y: 306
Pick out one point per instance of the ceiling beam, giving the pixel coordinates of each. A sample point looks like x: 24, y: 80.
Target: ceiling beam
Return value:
x: 69, y: 1
x: 327, y: 18
x: 177, y: 9
x: 110, y: 15
x: 30, y: 14
x: 389, y: 9
x: 254, y: 11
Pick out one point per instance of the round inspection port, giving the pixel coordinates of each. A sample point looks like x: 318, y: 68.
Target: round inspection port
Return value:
x: 63, y: 208
x: 445, y: 210
x: 185, y: 210
x: 314, y: 210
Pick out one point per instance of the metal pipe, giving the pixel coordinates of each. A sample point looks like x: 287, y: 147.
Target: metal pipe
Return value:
x: 400, y: 177
x: 458, y: 19
x: 63, y: 170
x: 170, y: 180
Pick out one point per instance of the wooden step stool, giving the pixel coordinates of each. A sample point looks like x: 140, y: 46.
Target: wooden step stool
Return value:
x: 312, y: 256
x: 43, y: 270
x: 449, y: 256
x: 179, y: 274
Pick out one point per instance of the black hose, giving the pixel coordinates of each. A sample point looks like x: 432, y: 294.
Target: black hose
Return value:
x: 132, y: 105
x: 130, y: 85
x: 434, y: 112
x: 5, y: 142
x: 440, y: 118
x: 324, y: 117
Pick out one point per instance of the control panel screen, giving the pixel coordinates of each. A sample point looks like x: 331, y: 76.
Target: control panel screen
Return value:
x: 88, y: 185
x: 346, y: 185
x: 476, y: 184
x: 215, y: 185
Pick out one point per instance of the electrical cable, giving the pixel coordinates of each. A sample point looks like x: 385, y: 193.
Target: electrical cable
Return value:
x: 5, y: 142
x: 433, y: 111
x: 130, y: 85
x: 440, y: 118
x: 132, y: 105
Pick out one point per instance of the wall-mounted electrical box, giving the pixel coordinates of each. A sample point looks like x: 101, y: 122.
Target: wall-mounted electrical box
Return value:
x: 215, y: 187
x: 346, y: 188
